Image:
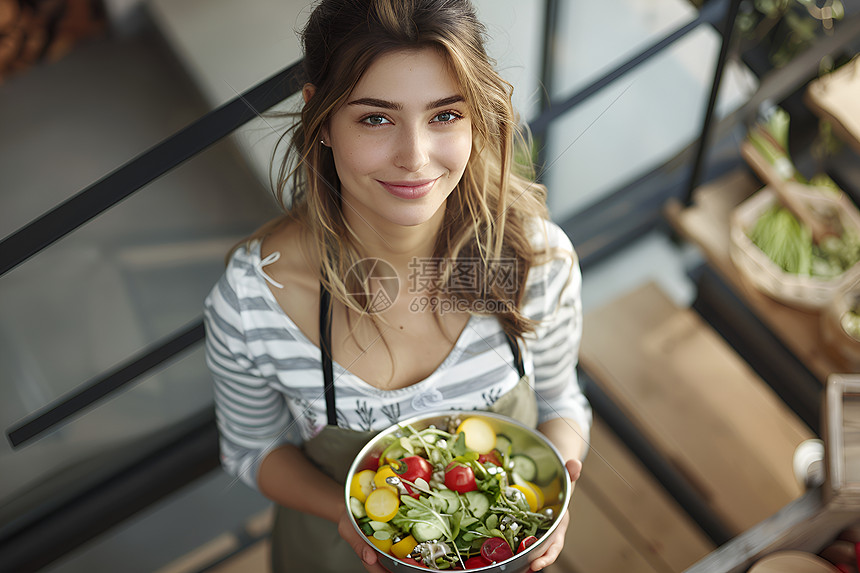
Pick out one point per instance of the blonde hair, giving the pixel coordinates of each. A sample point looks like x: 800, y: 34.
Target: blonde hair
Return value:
x: 489, y: 214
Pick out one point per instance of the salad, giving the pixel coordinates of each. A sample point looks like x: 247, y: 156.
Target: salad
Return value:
x: 454, y: 498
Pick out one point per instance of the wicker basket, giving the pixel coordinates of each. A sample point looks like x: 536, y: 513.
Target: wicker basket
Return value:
x: 807, y: 293
x: 843, y: 348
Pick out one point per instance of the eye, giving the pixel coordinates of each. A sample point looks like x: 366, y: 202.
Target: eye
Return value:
x: 375, y: 120
x: 447, y: 117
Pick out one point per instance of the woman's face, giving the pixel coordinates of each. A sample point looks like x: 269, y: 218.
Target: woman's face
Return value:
x: 401, y: 141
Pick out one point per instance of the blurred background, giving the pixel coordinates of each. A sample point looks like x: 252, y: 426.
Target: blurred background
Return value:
x: 617, y: 94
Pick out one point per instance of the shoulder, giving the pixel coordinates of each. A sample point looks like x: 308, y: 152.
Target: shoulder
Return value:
x: 555, y: 255
x: 238, y: 273
x: 546, y: 236
x: 293, y: 268
x: 555, y: 276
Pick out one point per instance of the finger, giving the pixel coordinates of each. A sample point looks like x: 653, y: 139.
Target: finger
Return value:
x: 548, y: 558
x: 554, y: 547
x: 364, y: 551
x: 574, y: 468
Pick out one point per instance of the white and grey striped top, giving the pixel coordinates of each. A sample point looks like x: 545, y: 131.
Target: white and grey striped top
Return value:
x: 269, y: 382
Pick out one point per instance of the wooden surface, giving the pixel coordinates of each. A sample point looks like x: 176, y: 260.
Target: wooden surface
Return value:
x: 706, y: 223
x: 806, y: 524
x: 834, y: 97
x: 697, y: 403
x: 622, y: 520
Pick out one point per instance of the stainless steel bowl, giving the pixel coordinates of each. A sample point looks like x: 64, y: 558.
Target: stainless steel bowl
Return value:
x: 524, y: 440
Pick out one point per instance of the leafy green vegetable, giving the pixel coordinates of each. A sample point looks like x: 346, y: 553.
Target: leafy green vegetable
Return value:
x: 788, y: 243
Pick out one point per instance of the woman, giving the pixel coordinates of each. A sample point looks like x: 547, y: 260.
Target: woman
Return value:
x: 412, y: 252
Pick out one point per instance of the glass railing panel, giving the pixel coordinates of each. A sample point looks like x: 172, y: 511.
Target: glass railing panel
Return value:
x: 638, y: 122
x: 88, y: 449
x: 595, y: 37
x: 127, y: 279
x: 57, y: 117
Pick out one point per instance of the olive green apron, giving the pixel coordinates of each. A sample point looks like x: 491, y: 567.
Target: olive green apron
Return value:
x: 303, y: 543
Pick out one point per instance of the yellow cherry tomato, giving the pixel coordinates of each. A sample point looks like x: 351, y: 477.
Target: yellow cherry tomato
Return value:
x: 531, y: 498
x: 480, y: 436
x: 361, y: 485
x: 383, y: 474
x: 404, y: 547
x: 541, y: 499
x: 384, y: 545
x: 382, y: 504
x: 552, y: 491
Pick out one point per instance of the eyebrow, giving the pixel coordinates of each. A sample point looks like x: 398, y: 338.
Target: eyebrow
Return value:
x: 385, y: 104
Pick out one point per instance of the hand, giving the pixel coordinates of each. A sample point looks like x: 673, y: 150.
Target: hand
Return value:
x: 364, y: 551
x: 556, y: 542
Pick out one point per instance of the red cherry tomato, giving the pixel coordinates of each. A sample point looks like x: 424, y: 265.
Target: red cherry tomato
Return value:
x: 460, y: 478
x: 492, y: 457
x: 475, y: 562
x: 372, y: 463
x: 412, y: 468
x: 496, y: 549
x: 415, y: 562
x: 526, y: 543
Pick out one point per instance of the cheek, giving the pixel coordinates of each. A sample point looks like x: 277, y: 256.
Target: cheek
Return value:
x: 354, y: 154
x: 457, y: 151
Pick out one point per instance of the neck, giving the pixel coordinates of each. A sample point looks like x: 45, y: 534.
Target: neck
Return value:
x: 397, y: 244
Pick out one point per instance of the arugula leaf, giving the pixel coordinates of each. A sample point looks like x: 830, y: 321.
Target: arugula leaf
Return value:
x: 459, y: 446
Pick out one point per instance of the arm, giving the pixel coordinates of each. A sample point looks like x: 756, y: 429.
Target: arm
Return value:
x: 564, y: 412
x: 257, y: 437
x: 287, y: 476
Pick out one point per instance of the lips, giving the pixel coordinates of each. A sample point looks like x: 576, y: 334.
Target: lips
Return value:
x: 409, y: 189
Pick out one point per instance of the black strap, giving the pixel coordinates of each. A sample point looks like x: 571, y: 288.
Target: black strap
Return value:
x: 325, y: 354
x: 518, y: 356
x: 328, y: 368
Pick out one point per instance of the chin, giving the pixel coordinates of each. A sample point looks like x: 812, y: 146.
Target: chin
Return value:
x: 411, y: 219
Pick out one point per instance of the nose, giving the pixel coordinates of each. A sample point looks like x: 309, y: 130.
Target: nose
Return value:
x: 413, y: 149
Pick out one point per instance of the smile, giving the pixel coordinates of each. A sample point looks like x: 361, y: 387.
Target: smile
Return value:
x: 409, y: 189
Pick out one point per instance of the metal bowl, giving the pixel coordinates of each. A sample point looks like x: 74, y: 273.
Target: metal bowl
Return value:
x: 524, y: 440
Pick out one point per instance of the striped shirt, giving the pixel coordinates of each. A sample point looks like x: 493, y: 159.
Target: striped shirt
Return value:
x: 268, y: 374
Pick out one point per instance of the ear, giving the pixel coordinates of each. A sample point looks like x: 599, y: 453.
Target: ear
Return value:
x: 308, y: 91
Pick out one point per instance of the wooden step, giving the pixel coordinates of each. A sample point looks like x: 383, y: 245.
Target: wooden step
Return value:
x: 623, y: 520
x: 697, y: 403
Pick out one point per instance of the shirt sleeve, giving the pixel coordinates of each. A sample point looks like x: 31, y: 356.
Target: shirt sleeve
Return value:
x: 554, y: 298
x: 252, y: 415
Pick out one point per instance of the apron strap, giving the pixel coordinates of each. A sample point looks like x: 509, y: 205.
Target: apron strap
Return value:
x: 518, y: 356
x: 325, y: 354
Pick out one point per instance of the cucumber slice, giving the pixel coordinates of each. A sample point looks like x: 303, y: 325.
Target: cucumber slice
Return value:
x: 452, y: 498
x: 393, y: 452
x: 503, y: 443
x: 479, y: 504
x: 357, y: 508
x: 381, y: 526
x: 426, y: 532
x: 524, y: 466
x: 546, y: 473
